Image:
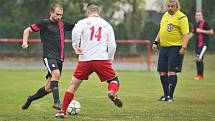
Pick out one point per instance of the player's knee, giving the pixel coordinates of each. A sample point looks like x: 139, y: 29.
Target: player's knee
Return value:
x: 48, y: 89
x: 55, y: 74
x: 74, y: 85
x: 114, y: 80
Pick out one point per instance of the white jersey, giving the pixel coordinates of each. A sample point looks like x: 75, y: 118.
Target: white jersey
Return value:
x: 95, y: 37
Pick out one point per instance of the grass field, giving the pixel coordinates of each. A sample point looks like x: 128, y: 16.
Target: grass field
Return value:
x: 195, y: 100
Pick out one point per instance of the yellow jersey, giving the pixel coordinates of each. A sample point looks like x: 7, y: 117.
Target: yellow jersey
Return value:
x: 172, y: 29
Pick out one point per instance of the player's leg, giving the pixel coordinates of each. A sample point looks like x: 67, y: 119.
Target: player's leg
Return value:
x: 172, y: 85
x: 201, y: 57
x: 162, y: 68
x: 68, y: 96
x: 105, y: 72
x: 113, y: 87
x: 43, y: 91
x: 55, y: 88
x: 175, y: 62
x: 199, y: 62
x: 82, y: 72
x: 54, y: 67
x: 165, y: 85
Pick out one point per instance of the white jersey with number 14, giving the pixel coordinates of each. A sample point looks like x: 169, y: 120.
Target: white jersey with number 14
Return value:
x: 95, y: 37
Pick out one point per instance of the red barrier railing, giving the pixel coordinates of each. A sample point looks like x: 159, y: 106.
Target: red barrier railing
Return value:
x: 146, y: 42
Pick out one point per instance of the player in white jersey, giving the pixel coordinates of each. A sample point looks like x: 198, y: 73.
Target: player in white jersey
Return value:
x: 94, y: 41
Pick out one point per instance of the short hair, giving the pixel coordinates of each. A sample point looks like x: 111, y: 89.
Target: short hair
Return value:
x: 92, y: 7
x: 177, y: 3
x: 55, y: 5
x: 198, y: 11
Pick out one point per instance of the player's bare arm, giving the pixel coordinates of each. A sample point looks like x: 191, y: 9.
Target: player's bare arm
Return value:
x: 184, y: 43
x: 155, y: 43
x: 25, y: 37
x: 208, y: 32
x: 190, y: 35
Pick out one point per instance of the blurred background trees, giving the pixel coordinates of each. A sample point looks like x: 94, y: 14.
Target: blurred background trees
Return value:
x: 129, y: 18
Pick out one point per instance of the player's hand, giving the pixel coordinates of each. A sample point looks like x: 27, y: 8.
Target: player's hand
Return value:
x: 155, y: 48
x: 198, y: 30
x: 78, y: 51
x: 24, y: 45
x: 198, y: 58
x: 182, y: 51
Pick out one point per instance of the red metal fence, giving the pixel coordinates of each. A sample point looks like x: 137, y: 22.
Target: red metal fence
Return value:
x: 146, y: 42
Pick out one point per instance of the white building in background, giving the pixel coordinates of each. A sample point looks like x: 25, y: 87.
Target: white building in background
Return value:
x: 154, y: 9
x: 155, y: 5
x: 149, y: 4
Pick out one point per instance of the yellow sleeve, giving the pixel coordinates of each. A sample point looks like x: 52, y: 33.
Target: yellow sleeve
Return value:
x: 184, y: 25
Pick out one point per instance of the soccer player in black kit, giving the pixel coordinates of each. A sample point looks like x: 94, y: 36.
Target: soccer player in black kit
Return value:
x: 202, y: 30
x: 52, y: 32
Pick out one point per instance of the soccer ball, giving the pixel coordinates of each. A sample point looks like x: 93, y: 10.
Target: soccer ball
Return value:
x: 74, y: 107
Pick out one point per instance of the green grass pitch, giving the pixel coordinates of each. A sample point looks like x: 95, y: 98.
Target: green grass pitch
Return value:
x: 195, y: 100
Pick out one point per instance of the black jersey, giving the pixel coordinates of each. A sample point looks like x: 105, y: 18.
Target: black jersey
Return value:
x: 52, y: 37
x: 201, y: 39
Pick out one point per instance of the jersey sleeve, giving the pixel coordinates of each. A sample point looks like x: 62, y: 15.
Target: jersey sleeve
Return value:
x: 184, y: 25
x: 111, y: 43
x: 207, y: 26
x: 76, y: 34
x: 38, y: 26
x: 68, y: 26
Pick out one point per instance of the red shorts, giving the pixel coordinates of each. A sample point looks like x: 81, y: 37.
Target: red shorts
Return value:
x: 103, y: 69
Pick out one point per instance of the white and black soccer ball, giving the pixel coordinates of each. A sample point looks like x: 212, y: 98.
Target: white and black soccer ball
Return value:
x: 74, y: 107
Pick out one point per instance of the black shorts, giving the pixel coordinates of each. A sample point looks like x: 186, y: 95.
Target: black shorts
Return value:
x: 170, y: 60
x: 52, y: 64
x: 200, y: 52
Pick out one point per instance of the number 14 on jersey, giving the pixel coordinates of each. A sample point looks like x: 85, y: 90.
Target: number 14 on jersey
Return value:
x: 96, y: 34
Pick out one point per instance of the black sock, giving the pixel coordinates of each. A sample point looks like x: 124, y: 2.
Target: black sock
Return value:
x: 200, y: 67
x: 55, y: 90
x: 39, y: 94
x: 164, y: 82
x: 172, y: 84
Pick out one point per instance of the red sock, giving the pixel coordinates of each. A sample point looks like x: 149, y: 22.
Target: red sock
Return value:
x: 113, y: 87
x: 68, y: 97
